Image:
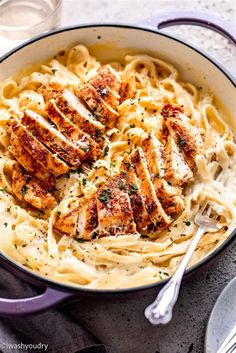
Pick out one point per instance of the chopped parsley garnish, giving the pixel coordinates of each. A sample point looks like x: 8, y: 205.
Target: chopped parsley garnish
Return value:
x: 80, y: 240
x: 24, y: 190
x: 84, y: 181
x: 105, y: 151
x: 183, y: 235
x: 121, y: 186
x: 96, y: 105
x: 132, y: 126
x: 181, y: 142
x: 59, y: 213
x: 79, y: 170
x: 98, y: 134
x: 128, y: 165
x: 132, y: 189
x: 188, y: 223
x: 5, y: 224
x: 54, y: 70
x: 85, y: 148
x: 105, y: 196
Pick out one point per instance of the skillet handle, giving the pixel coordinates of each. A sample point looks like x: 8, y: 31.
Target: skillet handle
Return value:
x: 194, y: 18
x: 34, y: 305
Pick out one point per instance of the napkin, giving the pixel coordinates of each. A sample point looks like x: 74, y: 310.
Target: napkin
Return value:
x: 51, y: 332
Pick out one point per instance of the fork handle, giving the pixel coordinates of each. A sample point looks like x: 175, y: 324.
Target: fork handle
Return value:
x: 161, y: 310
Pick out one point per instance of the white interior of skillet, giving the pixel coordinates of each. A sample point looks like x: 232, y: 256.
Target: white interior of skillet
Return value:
x: 109, y: 42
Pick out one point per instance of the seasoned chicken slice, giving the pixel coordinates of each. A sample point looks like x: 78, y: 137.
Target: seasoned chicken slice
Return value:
x: 49, y: 161
x: 71, y: 131
x: 141, y: 216
x: 29, y: 189
x: 67, y: 217
x: 50, y: 91
x: 114, y: 209
x: 78, y: 114
x: 186, y: 136
x: 104, y: 113
x: 170, y: 196
x: 30, y: 164
x: 177, y: 170
x: 110, y: 97
x: 126, y: 92
x: 88, y: 218
x: 110, y: 78
x: 70, y: 152
x: 153, y: 206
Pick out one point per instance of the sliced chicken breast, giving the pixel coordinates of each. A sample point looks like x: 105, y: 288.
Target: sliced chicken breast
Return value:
x: 141, y: 216
x: 110, y: 97
x: 110, y: 78
x: 115, y: 215
x: 50, y: 91
x: 126, y: 92
x: 55, y: 140
x: 71, y: 131
x: 39, y: 152
x: 170, y: 196
x: 66, y: 221
x: 152, y: 204
x: 103, y: 112
x: 88, y: 218
x: 78, y: 114
x: 29, y: 189
x: 186, y: 136
x: 30, y: 164
x: 177, y: 170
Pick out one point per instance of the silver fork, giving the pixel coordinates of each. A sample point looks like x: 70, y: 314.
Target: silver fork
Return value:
x: 161, y: 310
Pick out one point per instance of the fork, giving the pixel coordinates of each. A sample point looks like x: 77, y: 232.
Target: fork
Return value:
x: 161, y: 310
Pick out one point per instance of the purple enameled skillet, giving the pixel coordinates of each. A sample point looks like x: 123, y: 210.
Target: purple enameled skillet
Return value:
x: 193, y: 65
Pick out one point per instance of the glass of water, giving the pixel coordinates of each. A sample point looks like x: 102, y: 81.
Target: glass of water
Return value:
x: 23, y: 19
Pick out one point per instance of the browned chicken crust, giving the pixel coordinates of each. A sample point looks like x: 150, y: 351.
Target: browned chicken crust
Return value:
x: 29, y: 189
x: 39, y: 152
x: 110, y: 97
x: 170, y: 196
x: 30, y: 164
x: 177, y: 169
x: 141, y: 216
x: 186, y: 136
x: 78, y: 114
x: 115, y: 214
x: 88, y: 218
x: 109, y: 78
x: 152, y: 204
x: 102, y: 111
x: 41, y: 129
x: 66, y: 222
x: 126, y: 92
